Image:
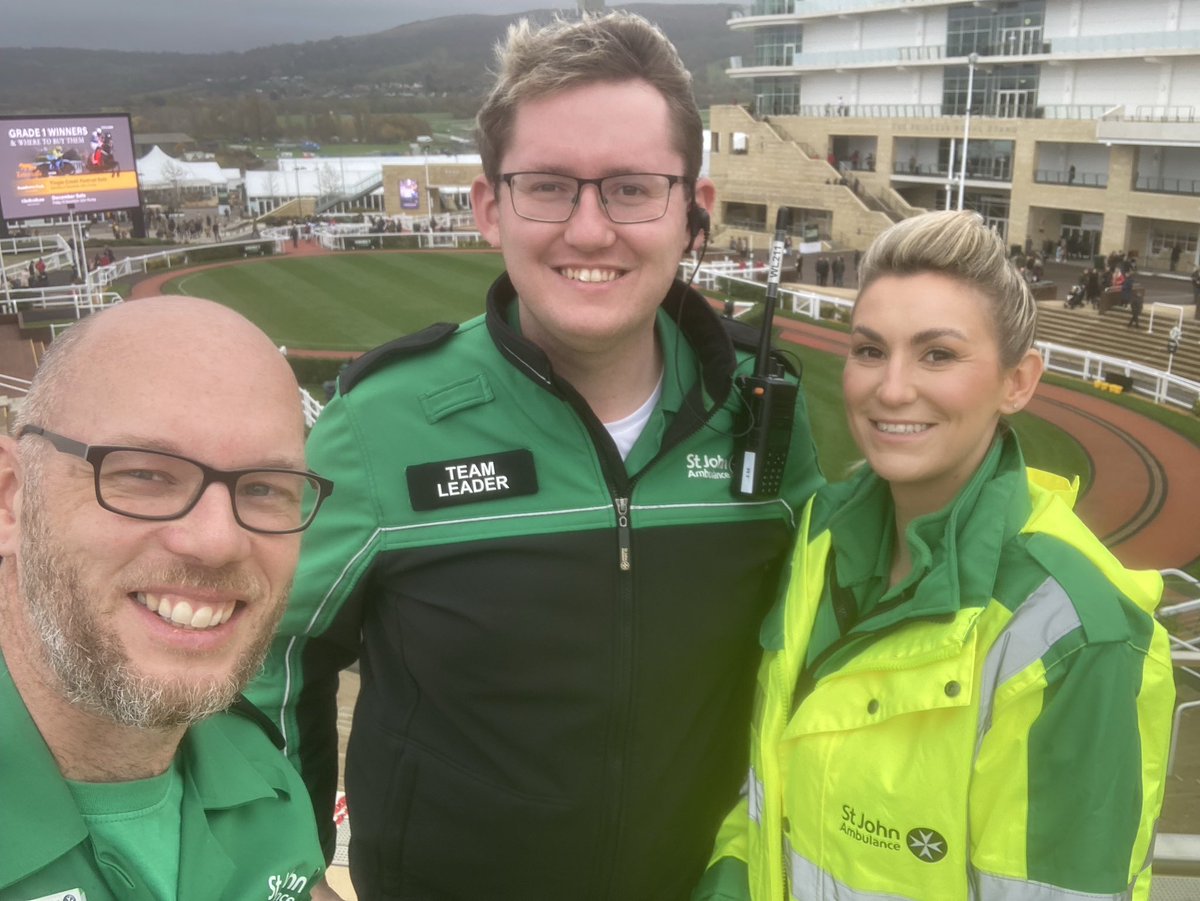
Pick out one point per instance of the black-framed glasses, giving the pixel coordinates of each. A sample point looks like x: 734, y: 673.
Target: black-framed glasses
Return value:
x: 156, y: 485
x: 627, y: 199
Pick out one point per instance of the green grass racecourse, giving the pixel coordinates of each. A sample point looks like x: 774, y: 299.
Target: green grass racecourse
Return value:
x: 354, y: 301
x: 349, y: 301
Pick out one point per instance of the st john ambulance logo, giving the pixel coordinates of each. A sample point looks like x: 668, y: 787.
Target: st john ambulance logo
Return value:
x: 926, y: 845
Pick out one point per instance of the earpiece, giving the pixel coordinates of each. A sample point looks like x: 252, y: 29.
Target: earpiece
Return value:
x: 697, y: 221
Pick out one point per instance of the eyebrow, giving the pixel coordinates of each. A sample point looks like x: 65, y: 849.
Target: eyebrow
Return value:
x: 566, y: 171
x: 921, y: 337
x: 167, y: 447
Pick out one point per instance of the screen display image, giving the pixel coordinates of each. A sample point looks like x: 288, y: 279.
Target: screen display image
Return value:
x: 410, y: 194
x: 49, y: 164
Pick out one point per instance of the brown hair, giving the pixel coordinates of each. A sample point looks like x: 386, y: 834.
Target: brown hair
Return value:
x: 618, y: 46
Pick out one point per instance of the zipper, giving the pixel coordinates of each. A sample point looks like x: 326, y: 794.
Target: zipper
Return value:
x: 624, y: 536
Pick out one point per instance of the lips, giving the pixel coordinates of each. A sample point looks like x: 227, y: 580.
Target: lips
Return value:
x: 184, y: 613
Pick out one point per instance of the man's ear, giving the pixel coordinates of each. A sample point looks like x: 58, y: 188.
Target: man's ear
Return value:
x: 704, y: 196
x: 485, y: 204
x: 1022, y: 381
x: 11, y: 482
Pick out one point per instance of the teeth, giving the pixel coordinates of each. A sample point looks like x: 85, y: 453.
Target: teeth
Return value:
x: 901, y: 428
x: 591, y: 275
x: 181, y: 613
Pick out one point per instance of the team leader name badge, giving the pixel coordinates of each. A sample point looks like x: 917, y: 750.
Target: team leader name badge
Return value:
x: 490, y: 477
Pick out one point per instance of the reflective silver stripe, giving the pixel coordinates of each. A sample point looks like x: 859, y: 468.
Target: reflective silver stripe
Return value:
x: 807, y: 881
x: 755, y: 797
x: 1046, y: 616
x: 1001, y: 888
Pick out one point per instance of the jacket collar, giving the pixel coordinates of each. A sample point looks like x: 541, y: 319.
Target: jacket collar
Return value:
x: 687, y: 311
x: 41, y: 821
x: 216, y: 772
x: 955, y: 551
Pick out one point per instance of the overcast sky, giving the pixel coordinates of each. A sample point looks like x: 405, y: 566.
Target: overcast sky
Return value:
x: 210, y: 26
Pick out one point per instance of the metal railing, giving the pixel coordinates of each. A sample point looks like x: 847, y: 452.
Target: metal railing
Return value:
x: 1128, y: 43
x: 1076, y: 180
x: 814, y: 8
x: 1188, y: 186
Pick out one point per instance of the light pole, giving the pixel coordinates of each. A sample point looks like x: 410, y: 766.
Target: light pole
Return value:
x: 4, y: 276
x: 962, y: 170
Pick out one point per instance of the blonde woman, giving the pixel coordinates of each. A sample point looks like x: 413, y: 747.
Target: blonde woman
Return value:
x: 964, y: 694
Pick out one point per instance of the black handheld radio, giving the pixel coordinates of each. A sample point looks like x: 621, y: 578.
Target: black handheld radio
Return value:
x: 770, y: 399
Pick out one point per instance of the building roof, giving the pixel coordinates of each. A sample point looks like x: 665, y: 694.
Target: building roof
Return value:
x: 158, y: 169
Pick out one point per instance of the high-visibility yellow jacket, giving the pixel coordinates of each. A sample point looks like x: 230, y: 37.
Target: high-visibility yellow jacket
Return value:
x: 994, y: 727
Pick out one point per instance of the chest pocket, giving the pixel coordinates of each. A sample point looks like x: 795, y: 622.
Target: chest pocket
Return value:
x: 919, y: 668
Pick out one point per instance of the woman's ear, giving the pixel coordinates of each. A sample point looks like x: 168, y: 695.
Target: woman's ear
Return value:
x: 1022, y: 381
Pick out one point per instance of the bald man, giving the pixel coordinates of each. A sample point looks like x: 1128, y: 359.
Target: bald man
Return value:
x: 151, y: 506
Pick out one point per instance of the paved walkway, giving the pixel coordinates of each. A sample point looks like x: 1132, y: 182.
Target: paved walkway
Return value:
x: 1145, y: 489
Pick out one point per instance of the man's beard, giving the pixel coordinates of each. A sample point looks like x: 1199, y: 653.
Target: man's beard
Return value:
x: 88, y: 660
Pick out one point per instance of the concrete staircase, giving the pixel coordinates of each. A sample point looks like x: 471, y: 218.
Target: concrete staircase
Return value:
x: 1107, y: 334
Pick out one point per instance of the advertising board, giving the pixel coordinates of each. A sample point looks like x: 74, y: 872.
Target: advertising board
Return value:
x: 50, y: 164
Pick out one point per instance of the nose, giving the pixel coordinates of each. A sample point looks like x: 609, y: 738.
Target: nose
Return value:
x: 896, y: 386
x: 209, y: 534
x: 589, y: 226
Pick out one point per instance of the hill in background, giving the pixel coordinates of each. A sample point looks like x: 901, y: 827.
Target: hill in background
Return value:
x: 434, y: 64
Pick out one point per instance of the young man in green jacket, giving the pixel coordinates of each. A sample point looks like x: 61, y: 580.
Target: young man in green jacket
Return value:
x: 535, y: 550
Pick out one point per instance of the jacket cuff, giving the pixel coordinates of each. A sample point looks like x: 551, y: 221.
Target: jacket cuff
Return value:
x: 726, y: 880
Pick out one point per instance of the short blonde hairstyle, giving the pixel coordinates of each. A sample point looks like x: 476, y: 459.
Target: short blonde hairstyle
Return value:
x: 959, y: 245
x: 536, y: 62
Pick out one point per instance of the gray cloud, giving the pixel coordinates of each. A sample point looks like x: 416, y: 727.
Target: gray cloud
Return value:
x: 217, y: 25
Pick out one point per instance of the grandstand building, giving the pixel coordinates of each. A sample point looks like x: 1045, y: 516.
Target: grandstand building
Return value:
x: 1055, y: 119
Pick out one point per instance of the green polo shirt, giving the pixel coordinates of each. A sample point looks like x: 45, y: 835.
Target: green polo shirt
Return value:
x: 246, y: 828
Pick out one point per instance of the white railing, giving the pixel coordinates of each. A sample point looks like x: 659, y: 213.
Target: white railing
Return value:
x: 1161, y: 387
x: 311, y: 406
x: 102, y: 276
x: 73, y: 302
x: 11, y: 384
x: 360, y: 237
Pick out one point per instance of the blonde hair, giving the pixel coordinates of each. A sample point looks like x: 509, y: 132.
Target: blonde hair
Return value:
x: 618, y: 46
x: 959, y: 245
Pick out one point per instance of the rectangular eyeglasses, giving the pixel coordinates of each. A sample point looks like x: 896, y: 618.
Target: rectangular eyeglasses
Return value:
x: 156, y: 485
x: 626, y: 199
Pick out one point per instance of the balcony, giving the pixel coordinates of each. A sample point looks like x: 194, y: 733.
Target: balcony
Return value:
x: 1071, y: 179
x: 978, y: 170
x: 1187, y: 186
x: 825, y: 9
x: 937, y: 110
x: 1168, y: 43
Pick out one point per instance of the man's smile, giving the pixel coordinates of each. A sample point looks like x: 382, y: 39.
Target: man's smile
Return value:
x: 594, y: 274
x: 187, y: 614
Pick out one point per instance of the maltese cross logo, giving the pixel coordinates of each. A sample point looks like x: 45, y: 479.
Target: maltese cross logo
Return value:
x: 927, y: 845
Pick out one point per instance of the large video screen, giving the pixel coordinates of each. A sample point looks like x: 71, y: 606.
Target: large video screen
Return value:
x: 50, y: 163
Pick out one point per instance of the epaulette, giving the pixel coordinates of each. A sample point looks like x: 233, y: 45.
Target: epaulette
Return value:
x: 425, y: 339
x: 243, y: 708
x: 744, y: 337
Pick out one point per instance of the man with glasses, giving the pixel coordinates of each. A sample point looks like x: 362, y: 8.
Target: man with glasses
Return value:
x: 535, y: 550
x: 150, y: 510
